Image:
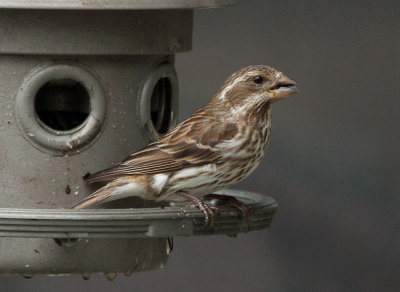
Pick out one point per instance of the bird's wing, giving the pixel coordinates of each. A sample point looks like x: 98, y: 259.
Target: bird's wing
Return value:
x: 191, y: 143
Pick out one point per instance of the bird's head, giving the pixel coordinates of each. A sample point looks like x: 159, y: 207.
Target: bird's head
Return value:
x: 255, y: 85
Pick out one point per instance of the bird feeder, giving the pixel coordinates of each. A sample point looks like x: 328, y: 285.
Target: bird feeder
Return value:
x: 82, y: 85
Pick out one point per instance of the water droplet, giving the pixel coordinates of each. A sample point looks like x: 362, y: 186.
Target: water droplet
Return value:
x: 26, y: 266
x: 111, y: 276
x: 76, y: 193
x: 31, y: 134
x: 86, y: 275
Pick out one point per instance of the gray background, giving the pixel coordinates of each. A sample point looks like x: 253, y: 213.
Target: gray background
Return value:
x: 332, y: 164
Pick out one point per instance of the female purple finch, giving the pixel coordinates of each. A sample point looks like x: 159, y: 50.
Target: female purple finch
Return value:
x: 214, y: 148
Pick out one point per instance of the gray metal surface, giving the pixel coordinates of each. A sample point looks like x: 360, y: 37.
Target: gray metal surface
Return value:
x: 105, y: 32
x: 144, y: 106
x: 54, y: 140
x: 115, y: 4
x: 135, y: 223
x: 35, y: 176
x: 30, y: 256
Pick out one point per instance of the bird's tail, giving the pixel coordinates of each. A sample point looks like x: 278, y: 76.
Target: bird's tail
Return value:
x: 98, y: 196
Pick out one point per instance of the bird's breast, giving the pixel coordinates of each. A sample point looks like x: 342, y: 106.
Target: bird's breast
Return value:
x: 243, y: 159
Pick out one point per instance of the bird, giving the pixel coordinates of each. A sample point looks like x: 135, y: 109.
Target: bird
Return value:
x: 216, y: 147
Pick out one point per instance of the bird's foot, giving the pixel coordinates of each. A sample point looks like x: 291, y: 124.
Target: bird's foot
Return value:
x: 235, y: 203
x: 209, y: 212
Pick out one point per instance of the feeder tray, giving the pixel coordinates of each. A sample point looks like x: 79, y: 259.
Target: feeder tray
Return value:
x: 178, y: 220
x: 31, y: 232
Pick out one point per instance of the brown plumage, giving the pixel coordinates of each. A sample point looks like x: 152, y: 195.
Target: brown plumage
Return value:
x: 216, y: 147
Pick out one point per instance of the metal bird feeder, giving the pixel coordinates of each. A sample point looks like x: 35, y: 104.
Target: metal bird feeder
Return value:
x: 82, y: 85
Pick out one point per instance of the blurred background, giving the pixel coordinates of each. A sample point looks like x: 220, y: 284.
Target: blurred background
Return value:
x: 332, y: 164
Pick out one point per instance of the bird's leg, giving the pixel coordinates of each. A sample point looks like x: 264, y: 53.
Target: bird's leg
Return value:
x: 209, y: 212
x: 235, y: 203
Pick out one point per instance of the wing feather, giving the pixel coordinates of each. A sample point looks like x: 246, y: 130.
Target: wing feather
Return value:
x: 191, y: 143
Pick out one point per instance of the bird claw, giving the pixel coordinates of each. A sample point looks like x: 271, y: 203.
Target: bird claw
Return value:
x: 246, y: 210
x: 209, y: 211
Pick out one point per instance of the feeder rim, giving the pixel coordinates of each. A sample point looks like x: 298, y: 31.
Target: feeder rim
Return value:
x: 178, y: 220
x: 113, y: 5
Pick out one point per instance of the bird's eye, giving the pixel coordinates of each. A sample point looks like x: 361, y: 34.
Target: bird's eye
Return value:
x: 258, y: 80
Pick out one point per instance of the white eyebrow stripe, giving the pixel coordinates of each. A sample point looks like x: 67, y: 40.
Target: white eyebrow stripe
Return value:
x: 222, y: 96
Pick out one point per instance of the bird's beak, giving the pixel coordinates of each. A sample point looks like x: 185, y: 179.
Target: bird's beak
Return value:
x: 284, y: 87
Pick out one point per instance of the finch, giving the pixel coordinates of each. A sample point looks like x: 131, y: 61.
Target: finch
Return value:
x: 216, y: 147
